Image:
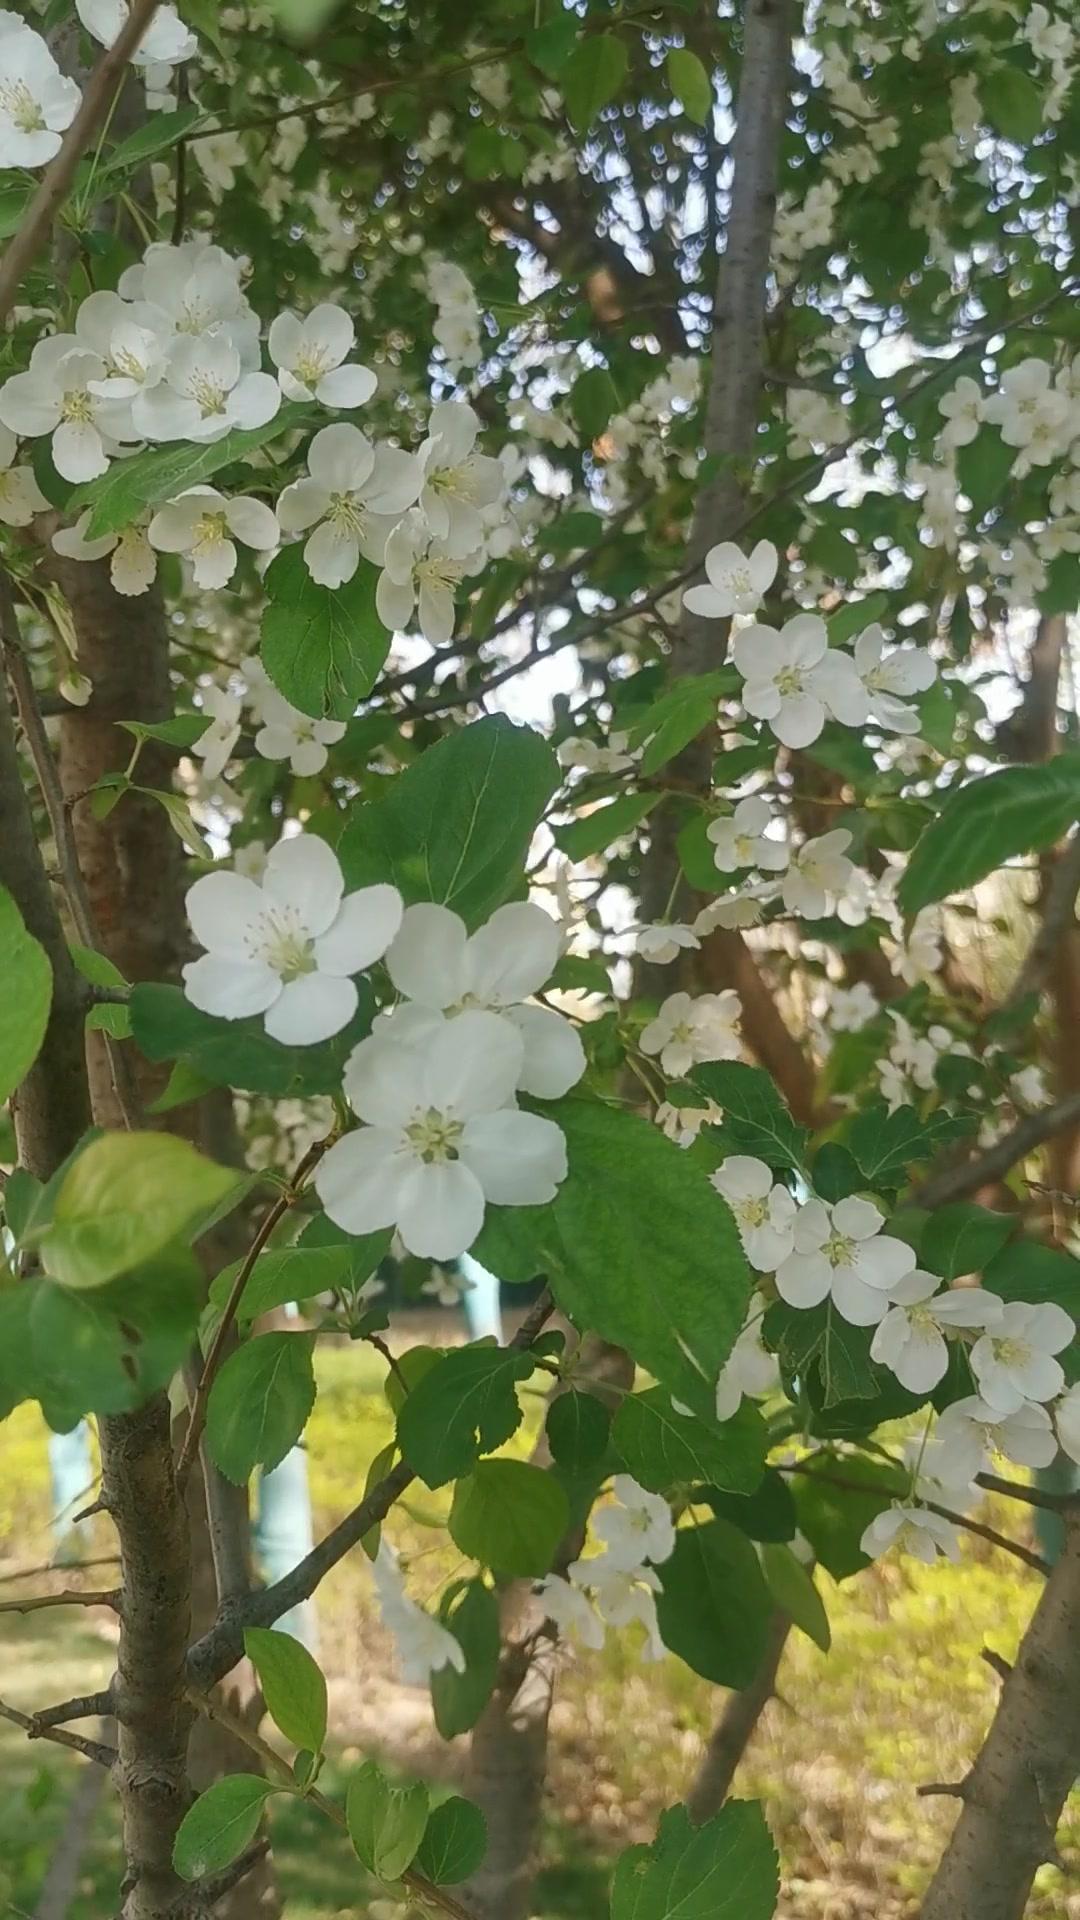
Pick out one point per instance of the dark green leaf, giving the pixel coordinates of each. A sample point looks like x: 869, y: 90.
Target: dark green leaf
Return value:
x: 767, y: 1514
x: 239, y: 1053
x: 793, y: 1589
x: 259, y: 1403
x: 578, y: 1428
x: 465, y: 1406
x: 962, y: 1239
x: 690, y: 83
x: 161, y: 131
x: 991, y: 820
x: 756, y: 1121
x: 591, y: 77
x: 454, y: 1842
x: 887, y: 1145
x: 714, y: 1606
x: 833, y: 1518
x: 663, y: 1449
x: 471, y: 1613
x: 323, y: 647
x: 724, y: 1870
x: 510, y: 1516
x: 26, y: 999
x: 593, y: 400
x: 595, y: 831
x: 163, y: 472
x: 1011, y: 102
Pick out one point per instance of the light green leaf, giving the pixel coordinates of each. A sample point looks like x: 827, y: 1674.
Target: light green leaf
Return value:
x: 663, y: 1449
x: 323, y: 647
x: 592, y: 76
x: 595, y: 831
x: 456, y: 826
x: 724, y: 1870
x: 464, y: 1406
x: 223, y: 1821
x: 386, y: 1823
x: 454, y: 1842
x: 292, y: 1685
x: 260, y: 1402
x: 987, y: 822
x: 162, y: 472
x: 510, y: 1516
x: 126, y: 1196
x: 107, y: 1349
x: 690, y: 83
x: 26, y: 999
x: 713, y: 1608
x: 793, y: 1589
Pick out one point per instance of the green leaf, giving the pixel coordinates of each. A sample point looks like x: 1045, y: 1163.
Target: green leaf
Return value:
x: 107, y: 1349
x: 548, y: 46
x: 162, y: 472
x: 833, y: 1519
x: 818, y: 1340
x: 223, y: 1821
x: 793, y: 1589
x: 465, y: 1406
x: 724, y: 1870
x: 161, y: 131
x: 713, y: 1607
x: 298, y: 1273
x: 962, y: 1239
x: 1012, y: 103
x: 756, y: 1121
x: 510, y: 1516
x: 259, y: 1403
x: 456, y: 826
x: 595, y: 831
x: 887, y: 1145
x: 593, y: 400
x: 638, y: 1247
x: 767, y: 1514
x: 991, y: 820
x: 126, y: 1196
x: 239, y: 1053
x: 454, y: 1842
x: 13, y: 204
x: 663, y: 1449
x: 470, y: 1611
x: 27, y: 997
x: 578, y: 1428
x: 386, y: 1823
x: 323, y: 647
x: 690, y: 83
x: 292, y: 1685
x: 592, y: 76
x: 17, y: 1365
x: 1027, y: 1271
x: 679, y: 715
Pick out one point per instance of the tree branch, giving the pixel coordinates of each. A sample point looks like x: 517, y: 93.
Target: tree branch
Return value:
x: 996, y: 1539
x: 90, y: 1749
x: 1030, y: 1132
x: 36, y: 225
x: 70, y: 1597
x: 210, y: 1659
x: 82, y: 1706
x: 216, y: 1354
x: 1058, y: 916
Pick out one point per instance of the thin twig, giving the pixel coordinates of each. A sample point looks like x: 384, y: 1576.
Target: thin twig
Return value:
x: 216, y: 1354
x: 69, y: 1597
x: 82, y: 1706
x: 380, y: 1346
x: 216, y: 1886
x: 210, y: 1659
x: 1029, y: 1496
x: 37, y: 223
x: 71, y: 1566
x: 90, y: 1749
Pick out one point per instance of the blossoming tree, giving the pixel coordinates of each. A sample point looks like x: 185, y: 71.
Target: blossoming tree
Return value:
x: 723, y: 365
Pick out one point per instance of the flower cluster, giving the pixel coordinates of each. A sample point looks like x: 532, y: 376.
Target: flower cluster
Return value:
x: 619, y: 1585
x: 436, y: 1082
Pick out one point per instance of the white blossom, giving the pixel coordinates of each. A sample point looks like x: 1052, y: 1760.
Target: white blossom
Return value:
x: 288, y: 734
x: 353, y: 497
x: 910, y: 1341
x: 37, y: 102
x: 736, y: 583
x: 743, y: 839
x: 585, y: 755
x: 970, y: 1431
x: 1014, y: 1361
x: 204, y: 393
x: 166, y: 41
x: 883, y: 683
x: 444, y: 970
x: 56, y: 396
x: 962, y: 407
x: 818, y: 874
x: 750, y: 1369
x: 206, y: 525
x: 422, y: 573
x: 442, y: 1138
x: 311, y: 355
x: 423, y: 1644
x: 215, y: 747
x: 289, y: 947
x: 1067, y: 1418
x: 133, y: 566
x: 841, y: 1252
x: 687, y: 1030
x: 663, y: 942
x: 571, y: 1611
x: 764, y: 1209
x: 638, y: 1528
x: 623, y: 1595
x: 790, y: 678
x: 914, y: 1530
x: 20, y: 495
x: 457, y: 480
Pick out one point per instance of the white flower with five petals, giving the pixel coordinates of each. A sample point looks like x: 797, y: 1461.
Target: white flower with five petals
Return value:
x: 1015, y: 1359
x: 970, y: 1432
x: 689, y: 1029
x: 133, y: 567
x: 56, y: 395
x: 458, y: 482
x: 790, y: 677
x: 736, y: 583
x: 662, y: 943
x: 20, y: 495
x: 37, y: 102
x: 765, y: 1211
x: 841, y: 1253
x: 421, y: 573
x: 289, y: 947
x: 818, y: 874
x: 204, y: 393
x: 743, y: 839
x: 442, y: 1138
x: 910, y: 1341
x: 571, y: 1610
x: 166, y: 41
x: 353, y: 497
x: 206, y: 525
x: 638, y: 1527
x: 915, y: 1530
x: 288, y: 734
x: 311, y: 354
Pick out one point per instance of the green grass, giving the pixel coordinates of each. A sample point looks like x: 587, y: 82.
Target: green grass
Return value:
x: 902, y: 1698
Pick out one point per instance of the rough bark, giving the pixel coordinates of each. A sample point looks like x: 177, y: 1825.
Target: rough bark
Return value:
x: 735, y: 1728
x: 508, y: 1748
x: 1012, y: 1799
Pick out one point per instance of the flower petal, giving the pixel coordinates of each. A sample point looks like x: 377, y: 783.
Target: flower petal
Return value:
x: 312, y: 1008
x: 231, y: 989
x: 440, y: 1209
x: 518, y: 1158
x: 364, y: 926
x: 350, y: 386
x: 303, y: 873
x: 359, y: 1181
x: 554, y: 1056
x: 473, y: 1065
x: 221, y: 908
x: 427, y: 958
x: 512, y: 954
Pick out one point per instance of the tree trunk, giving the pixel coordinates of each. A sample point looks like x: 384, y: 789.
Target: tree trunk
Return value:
x: 1013, y: 1797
